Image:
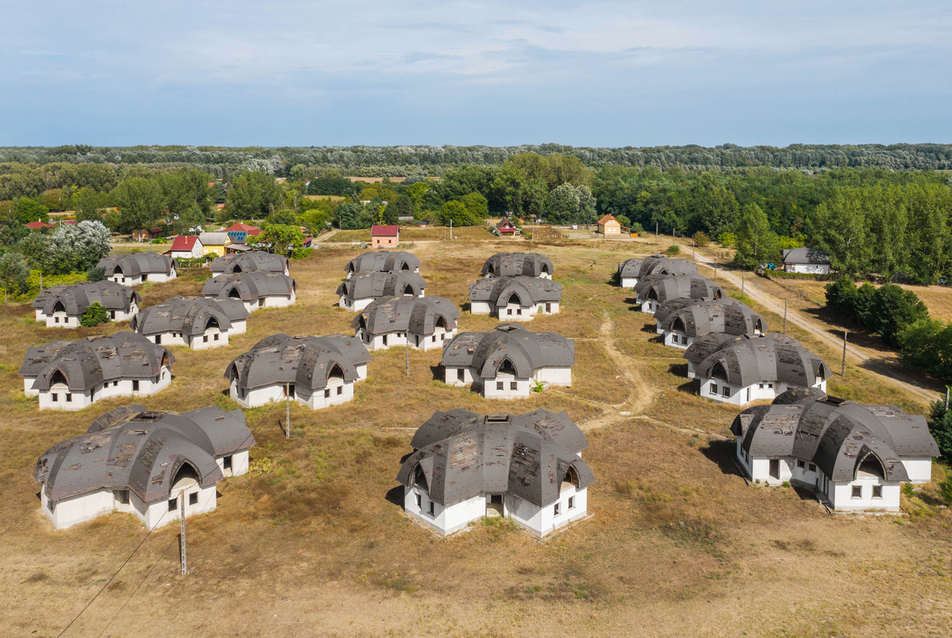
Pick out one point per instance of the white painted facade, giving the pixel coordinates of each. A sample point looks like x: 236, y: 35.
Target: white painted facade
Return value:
x: 336, y: 392
x: 194, y: 253
x: 158, y: 277
x: 198, y: 500
x: 813, y: 269
x: 723, y: 392
x: 356, y: 305
x: 628, y: 282
x: 269, y: 301
x: 647, y: 305
x: 399, y: 339
x: 514, y: 312
x: 507, y: 386
x: 59, y: 397
x: 678, y: 339
x: 287, y: 272
x: 539, y: 521
x: 59, y: 319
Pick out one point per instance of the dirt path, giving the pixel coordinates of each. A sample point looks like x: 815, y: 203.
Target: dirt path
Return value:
x: 856, y: 353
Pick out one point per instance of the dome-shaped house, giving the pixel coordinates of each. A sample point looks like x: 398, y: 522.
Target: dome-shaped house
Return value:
x: 654, y: 290
x: 251, y: 261
x: 631, y: 271
x: 515, y: 298
x: 383, y: 261
x: 63, y: 306
x: 254, y: 289
x: 137, y: 268
x: 195, y: 322
x: 359, y: 291
x: 518, y: 265
x: 424, y: 322
x: 682, y: 320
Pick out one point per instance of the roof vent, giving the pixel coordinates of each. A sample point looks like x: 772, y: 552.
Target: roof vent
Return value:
x: 498, y: 418
x: 149, y: 416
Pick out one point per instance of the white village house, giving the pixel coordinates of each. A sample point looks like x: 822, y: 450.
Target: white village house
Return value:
x: 156, y: 465
x: 855, y: 457
x: 72, y: 375
x: 137, y: 268
x: 806, y: 260
x: 359, y: 291
x: 527, y: 468
x: 383, y: 261
x: 426, y: 322
x: 515, y: 298
x: 748, y: 368
x: 518, y: 264
x: 63, y: 306
x: 194, y: 322
x: 253, y: 260
x: 316, y: 371
x: 631, y: 271
x: 508, y: 361
x: 681, y: 321
x: 254, y: 289
x: 654, y: 290
x: 186, y: 247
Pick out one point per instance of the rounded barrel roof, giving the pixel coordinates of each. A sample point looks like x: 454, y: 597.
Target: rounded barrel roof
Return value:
x: 527, y: 351
x: 190, y: 315
x: 384, y: 261
x: 417, y: 315
x: 256, y: 260
x: 76, y: 298
x: 699, y: 317
x: 249, y: 286
x: 663, y: 288
x: 529, y: 290
x: 135, y: 264
x: 370, y: 285
x: 750, y: 359
x: 517, y: 264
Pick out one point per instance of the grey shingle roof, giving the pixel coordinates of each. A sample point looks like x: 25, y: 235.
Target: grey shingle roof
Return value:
x: 190, y: 315
x: 94, y: 360
x: 417, y: 315
x: 698, y: 317
x: 249, y: 286
x: 836, y: 434
x: 528, y: 351
x: 249, y: 261
x: 384, y: 261
x: 304, y: 361
x: 639, y: 267
x: 76, y: 298
x: 528, y: 290
x: 665, y: 287
x: 517, y: 264
x: 751, y: 359
x: 214, y: 239
x: 132, y: 448
x: 135, y: 264
x: 370, y: 285
x: 810, y: 256
x: 463, y: 454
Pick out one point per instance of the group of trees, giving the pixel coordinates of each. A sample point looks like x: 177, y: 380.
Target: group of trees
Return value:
x: 887, y: 310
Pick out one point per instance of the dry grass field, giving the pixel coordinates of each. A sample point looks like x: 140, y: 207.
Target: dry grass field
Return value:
x: 311, y: 542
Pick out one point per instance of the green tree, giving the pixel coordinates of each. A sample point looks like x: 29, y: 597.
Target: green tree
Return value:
x: 280, y: 238
x: 140, y: 203
x: 88, y: 204
x: 94, y: 315
x: 893, y: 309
x: 254, y: 195
x: 477, y: 207
x: 455, y: 211
x: 27, y: 210
x: 842, y: 231
x: 14, y: 272
x: 756, y: 243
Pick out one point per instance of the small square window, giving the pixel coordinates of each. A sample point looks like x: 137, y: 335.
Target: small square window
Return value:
x: 69, y: 397
x: 713, y: 388
x: 216, y: 336
x: 460, y: 375
x: 432, y: 509
x: 340, y: 389
x: 761, y: 386
x: 557, y: 509
x: 433, y: 339
x: 55, y: 319
x: 327, y: 393
x: 419, y: 501
x: 571, y: 502
x: 509, y: 311
x: 770, y: 386
x: 173, y: 504
x: 500, y: 385
x: 193, y: 498
x: 801, y: 464
x: 519, y: 311
x: 726, y: 391
x: 55, y: 397
x: 812, y: 467
x: 857, y: 491
x: 135, y: 385
x: 513, y: 385
x: 877, y: 491
x: 226, y: 462
x: 204, y: 338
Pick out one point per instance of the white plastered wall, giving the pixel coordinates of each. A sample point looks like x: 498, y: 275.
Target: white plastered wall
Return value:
x: 115, y: 388
x: 479, y: 308
x: 918, y: 469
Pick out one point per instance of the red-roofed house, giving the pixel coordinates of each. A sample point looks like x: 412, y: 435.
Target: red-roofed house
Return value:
x: 384, y: 236
x: 186, y: 247
x: 608, y: 225
x: 38, y: 225
x: 254, y: 231
x: 506, y: 228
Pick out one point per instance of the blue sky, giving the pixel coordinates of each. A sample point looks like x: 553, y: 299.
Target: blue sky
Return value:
x: 480, y: 72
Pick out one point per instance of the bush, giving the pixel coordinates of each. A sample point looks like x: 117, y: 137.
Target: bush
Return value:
x: 701, y: 239
x: 674, y: 249
x: 636, y: 228
x: 95, y: 314
x: 96, y: 273
x: 887, y: 310
x: 727, y: 239
x: 940, y: 426
x: 13, y: 273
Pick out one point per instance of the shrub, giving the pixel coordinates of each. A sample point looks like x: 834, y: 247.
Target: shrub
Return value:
x: 701, y: 239
x: 674, y: 249
x: 96, y: 273
x: 95, y: 314
x: 636, y: 228
x: 727, y: 239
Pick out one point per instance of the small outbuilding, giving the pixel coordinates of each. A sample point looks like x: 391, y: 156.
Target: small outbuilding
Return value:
x: 527, y: 468
x: 854, y: 457
x: 251, y: 261
x: 63, y: 306
x: 72, y: 375
x: 806, y: 260
x: 361, y: 290
x: 518, y: 265
x: 424, y: 322
x: 383, y: 261
x: 384, y: 236
x: 654, y: 290
x: 215, y: 243
x: 681, y: 321
x: 748, y: 368
x: 515, y: 298
x: 198, y: 323
x: 631, y: 271
x: 506, y: 228
x: 136, y: 268
x: 156, y: 465
x: 316, y: 371
x: 186, y: 247
x: 255, y: 289
x: 509, y: 361
x: 608, y: 225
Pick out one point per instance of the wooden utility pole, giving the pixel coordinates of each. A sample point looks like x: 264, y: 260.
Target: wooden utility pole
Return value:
x: 784, y: 315
x: 742, y: 283
x: 715, y: 266
x: 287, y: 411
x: 946, y: 397
x: 843, y: 366
x: 594, y: 246
x: 656, y: 233
x: 408, y: 353
x: 182, y: 535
